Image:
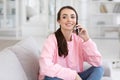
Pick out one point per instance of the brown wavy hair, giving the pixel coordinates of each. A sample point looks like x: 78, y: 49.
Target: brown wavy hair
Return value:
x: 61, y: 41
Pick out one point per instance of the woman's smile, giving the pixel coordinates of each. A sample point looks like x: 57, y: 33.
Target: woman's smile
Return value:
x: 69, y: 24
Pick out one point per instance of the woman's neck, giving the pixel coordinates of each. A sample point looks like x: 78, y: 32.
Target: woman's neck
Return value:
x: 67, y: 35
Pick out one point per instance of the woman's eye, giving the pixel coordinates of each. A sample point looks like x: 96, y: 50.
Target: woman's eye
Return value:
x: 64, y: 17
x: 72, y: 17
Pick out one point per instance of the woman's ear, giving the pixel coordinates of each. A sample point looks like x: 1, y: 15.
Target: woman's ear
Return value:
x: 58, y: 21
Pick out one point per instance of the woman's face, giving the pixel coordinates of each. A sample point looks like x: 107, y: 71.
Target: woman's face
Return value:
x: 67, y: 19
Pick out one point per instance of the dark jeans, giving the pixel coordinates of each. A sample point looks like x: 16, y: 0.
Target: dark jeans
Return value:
x: 93, y: 73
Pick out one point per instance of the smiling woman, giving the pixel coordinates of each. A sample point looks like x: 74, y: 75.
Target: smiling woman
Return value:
x: 64, y: 52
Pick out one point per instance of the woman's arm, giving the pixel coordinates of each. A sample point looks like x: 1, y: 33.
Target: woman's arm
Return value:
x: 91, y: 53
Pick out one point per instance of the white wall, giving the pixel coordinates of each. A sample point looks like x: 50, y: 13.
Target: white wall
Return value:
x: 37, y: 25
x: 109, y: 48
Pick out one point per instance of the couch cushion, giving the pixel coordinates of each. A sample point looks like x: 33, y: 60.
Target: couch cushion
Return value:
x: 10, y: 68
x: 28, y: 52
x: 107, y: 68
x: 106, y: 78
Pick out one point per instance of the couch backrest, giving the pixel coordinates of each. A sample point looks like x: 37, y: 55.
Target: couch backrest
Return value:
x: 28, y: 52
x: 10, y: 67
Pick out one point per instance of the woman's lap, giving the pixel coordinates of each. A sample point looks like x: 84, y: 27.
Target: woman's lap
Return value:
x: 92, y: 73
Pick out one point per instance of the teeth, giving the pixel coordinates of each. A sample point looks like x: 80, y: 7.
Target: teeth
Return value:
x: 69, y: 24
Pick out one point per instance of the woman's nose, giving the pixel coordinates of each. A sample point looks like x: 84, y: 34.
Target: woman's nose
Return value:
x: 68, y: 19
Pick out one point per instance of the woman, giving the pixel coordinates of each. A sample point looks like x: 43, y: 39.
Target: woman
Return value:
x: 65, y: 51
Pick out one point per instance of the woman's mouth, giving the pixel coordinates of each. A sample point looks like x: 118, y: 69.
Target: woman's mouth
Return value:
x: 69, y: 25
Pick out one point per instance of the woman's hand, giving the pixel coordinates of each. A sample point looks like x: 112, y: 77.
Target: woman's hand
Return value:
x: 83, y: 33
x: 78, y: 77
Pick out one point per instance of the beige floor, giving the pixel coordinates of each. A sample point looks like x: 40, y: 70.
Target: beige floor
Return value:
x: 6, y: 43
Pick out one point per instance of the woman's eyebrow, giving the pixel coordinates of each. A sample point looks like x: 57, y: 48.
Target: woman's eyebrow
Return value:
x: 64, y: 15
x: 67, y: 14
x: 73, y: 15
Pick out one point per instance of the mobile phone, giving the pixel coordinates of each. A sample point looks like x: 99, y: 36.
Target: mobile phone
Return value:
x: 77, y: 30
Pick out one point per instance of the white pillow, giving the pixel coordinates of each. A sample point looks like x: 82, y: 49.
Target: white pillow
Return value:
x: 28, y: 52
x: 10, y: 68
x: 36, y: 26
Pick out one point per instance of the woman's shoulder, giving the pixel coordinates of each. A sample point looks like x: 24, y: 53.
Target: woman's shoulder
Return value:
x: 51, y: 37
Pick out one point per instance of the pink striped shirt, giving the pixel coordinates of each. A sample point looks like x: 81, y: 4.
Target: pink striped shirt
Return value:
x: 66, y: 68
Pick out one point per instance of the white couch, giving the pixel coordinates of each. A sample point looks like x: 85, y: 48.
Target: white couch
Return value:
x: 20, y: 61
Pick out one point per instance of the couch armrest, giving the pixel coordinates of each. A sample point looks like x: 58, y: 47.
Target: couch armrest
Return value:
x: 107, y: 68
